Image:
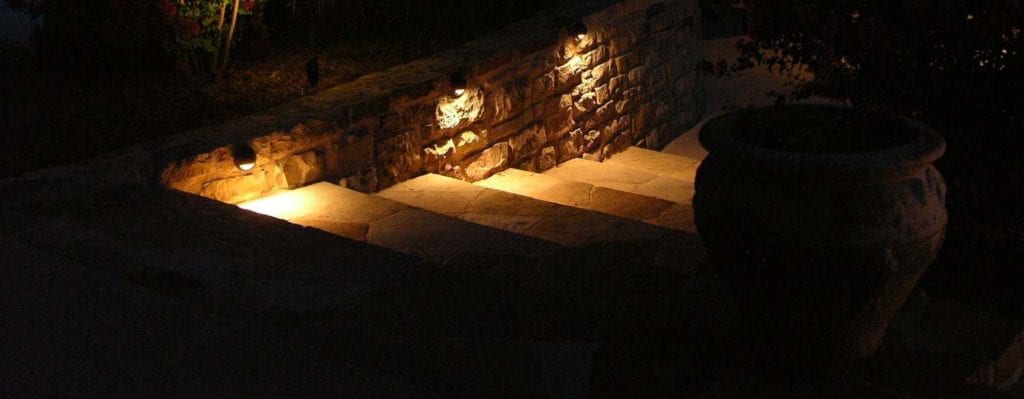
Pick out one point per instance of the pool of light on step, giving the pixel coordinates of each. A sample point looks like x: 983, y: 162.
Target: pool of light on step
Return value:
x: 284, y: 205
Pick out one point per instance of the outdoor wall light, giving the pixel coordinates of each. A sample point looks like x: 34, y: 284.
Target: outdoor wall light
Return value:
x: 458, y: 84
x: 244, y: 156
x: 579, y: 31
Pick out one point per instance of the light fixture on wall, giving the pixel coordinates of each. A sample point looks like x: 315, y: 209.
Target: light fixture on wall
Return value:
x: 579, y: 31
x: 244, y: 156
x: 458, y: 84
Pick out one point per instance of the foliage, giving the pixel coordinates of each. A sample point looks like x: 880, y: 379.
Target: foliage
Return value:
x: 106, y: 37
x: 890, y: 54
x: 202, y: 29
x: 957, y: 65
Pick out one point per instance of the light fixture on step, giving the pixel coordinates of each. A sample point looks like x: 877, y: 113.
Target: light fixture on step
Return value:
x: 458, y: 84
x: 579, y: 31
x: 244, y: 156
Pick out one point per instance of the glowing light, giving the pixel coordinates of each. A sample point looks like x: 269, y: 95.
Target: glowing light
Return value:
x: 453, y: 110
x: 970, y: 17
x: 288, y: 205
x: 579, y: 30
x: 458, y: 84
x: 244, y: 156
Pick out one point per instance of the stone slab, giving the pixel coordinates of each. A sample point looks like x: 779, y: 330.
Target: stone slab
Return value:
x: 625, y: 179
x: 72, y: 329
x: 390, y: 224
x: 587, y: 196
x: 688, y: 145
x: 656, y: 163
x: 519, y: 214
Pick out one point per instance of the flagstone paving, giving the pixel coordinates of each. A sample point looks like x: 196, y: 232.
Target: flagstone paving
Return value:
x: 625, y: 179
x: 577, y: 194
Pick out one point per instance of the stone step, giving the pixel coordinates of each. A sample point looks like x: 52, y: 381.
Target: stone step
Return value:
x: 625, y: 179
x: 217, y: 256
x: 393, y: 225
x: 688, y: 145
x: 587, y: 196
x: 656, y: 163
x: 519, y: 214
x: 70, y: 325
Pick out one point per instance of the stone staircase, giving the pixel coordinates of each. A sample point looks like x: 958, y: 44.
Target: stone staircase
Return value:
x: 638, y: 195
x: 535, y: 271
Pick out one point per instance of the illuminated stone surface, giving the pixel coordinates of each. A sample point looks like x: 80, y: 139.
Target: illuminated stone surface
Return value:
x: 657, y: 163
x: 519, y: 214
x: 587, y: 196
x: 528, y: 87
x: 625, y: 179
x: 391, y: 224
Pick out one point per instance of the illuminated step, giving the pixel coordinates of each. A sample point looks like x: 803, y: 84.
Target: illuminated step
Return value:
x: 656, y: 163
x: 587, y: 196
x: 624, y: 179
x: 520, y: 214
x: 393, y: 225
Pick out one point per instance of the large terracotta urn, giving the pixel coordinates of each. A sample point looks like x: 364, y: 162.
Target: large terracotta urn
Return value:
x: 821, y: 219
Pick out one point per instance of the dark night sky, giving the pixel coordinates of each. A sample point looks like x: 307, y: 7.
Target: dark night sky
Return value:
x: 16, y: 26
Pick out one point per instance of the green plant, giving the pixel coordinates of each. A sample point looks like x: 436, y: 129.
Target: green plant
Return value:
x: 205, y: 30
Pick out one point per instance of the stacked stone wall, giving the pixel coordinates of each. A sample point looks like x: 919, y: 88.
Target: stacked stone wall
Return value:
x: 535, y: 97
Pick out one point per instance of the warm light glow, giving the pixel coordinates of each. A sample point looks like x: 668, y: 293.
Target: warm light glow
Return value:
x: 579, y: 30
x: 285, y: 205
x: 453, y: 110
x: 458, y: 83
x: 244, y: 156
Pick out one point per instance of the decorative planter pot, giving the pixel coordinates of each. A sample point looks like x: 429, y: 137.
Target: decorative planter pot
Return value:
x: 821, y: 222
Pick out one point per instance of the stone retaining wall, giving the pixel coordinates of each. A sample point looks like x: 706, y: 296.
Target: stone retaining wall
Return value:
x: 535, y: 97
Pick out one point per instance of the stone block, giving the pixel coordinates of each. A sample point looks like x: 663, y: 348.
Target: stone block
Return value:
x: 541, y: 88
x: 506, y: 101
x: 528, y: 141
x: 637, y: 75
x: 586, y: 86
x: 559, y: 121
x: 621, y: 44
x: 487, y: 162
x: 617, y: 85
x: 630, y: 99
x: 597, y: 56
x: 569, y: 146
x: 586, y: 103
x: 601, y: 72
x: 627, y: 61
x: 569, y: 75
x: 548, y: 158
x: 455, y: 112
x: 302, y: 169
x: 601, y: 94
